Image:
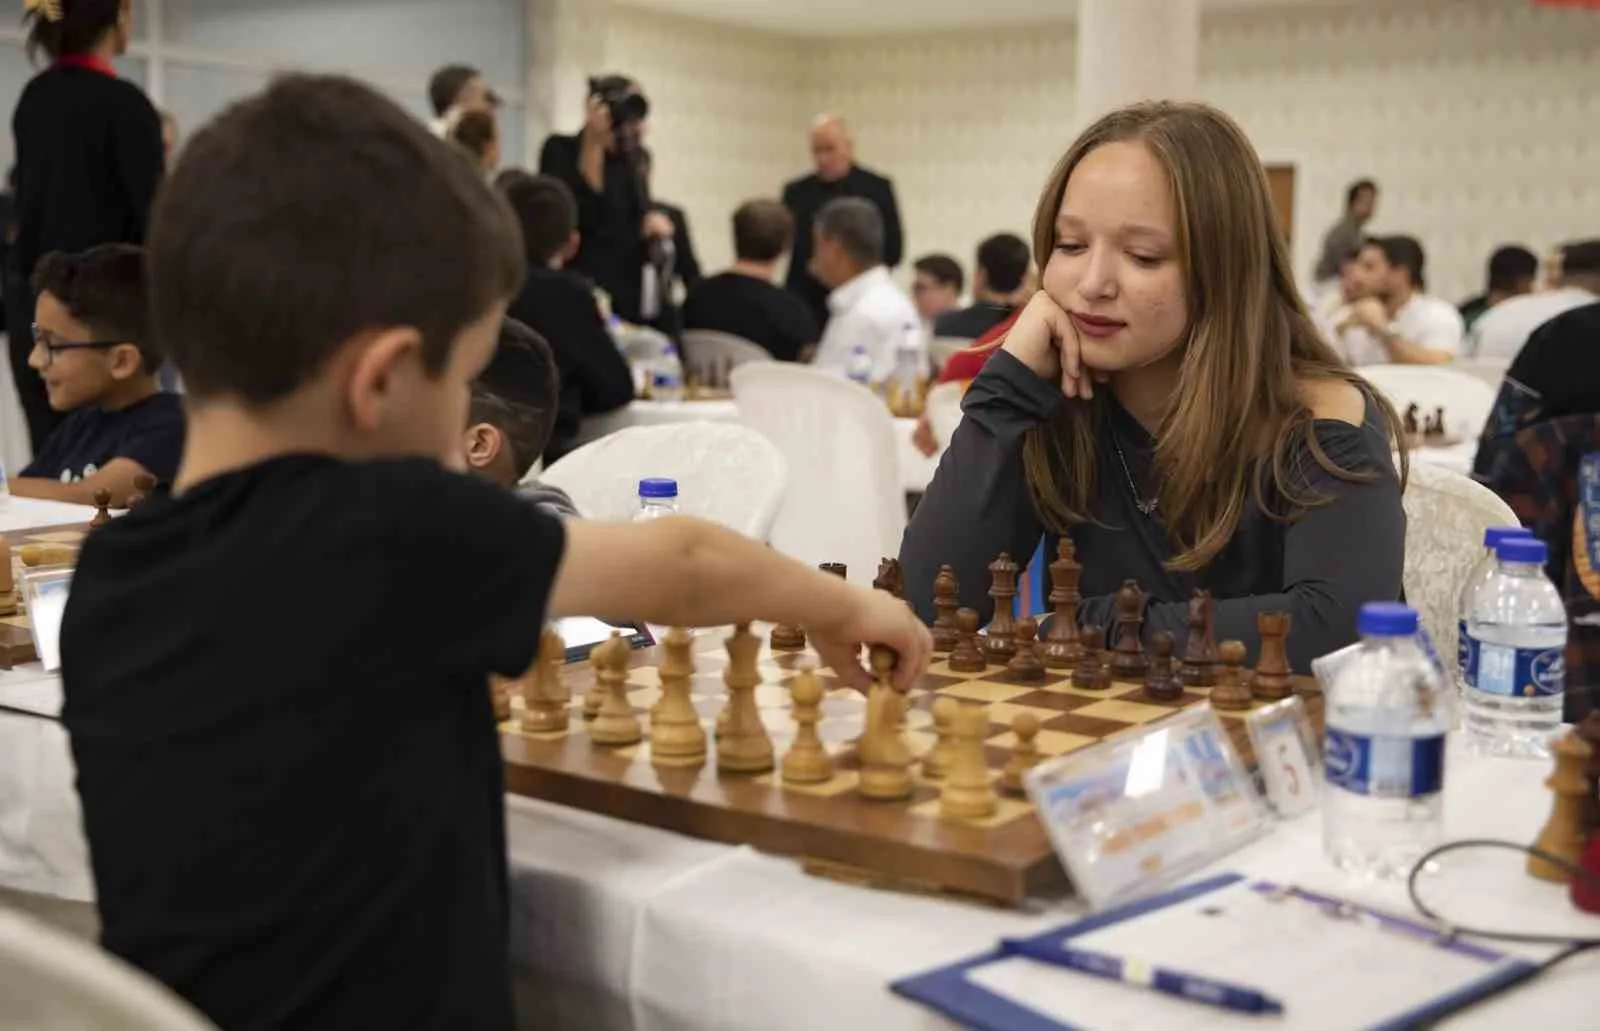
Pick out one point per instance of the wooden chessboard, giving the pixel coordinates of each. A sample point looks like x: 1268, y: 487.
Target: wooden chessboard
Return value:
x: 1413, y: 441
x: 16, y: 636
x: 1005, y: 858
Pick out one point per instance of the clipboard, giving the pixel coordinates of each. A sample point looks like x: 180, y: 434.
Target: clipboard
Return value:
x: 1346, y: 960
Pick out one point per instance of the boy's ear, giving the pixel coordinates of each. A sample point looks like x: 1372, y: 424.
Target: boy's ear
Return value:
x: 570, y: 251
x: 126, y: 362
x: 484, y: 443
x: 374, y: 390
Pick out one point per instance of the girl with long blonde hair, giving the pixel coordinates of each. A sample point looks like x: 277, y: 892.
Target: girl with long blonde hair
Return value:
x: 1166, y: 402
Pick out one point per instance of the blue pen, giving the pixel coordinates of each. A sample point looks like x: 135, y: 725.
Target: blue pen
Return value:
x: 1144, y: 975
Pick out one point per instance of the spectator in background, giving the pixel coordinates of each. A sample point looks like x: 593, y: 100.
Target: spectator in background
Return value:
x: 560, y: 306
x: 89, y: 158
x: 868, y: 309
x: 1406, y: 325
x: 475, y: 132
x: 169, y: 136
x: 456, y: 88
x: 997, y: 280
x: 686, y: 264
x: 1512, y: 271
x: 1502, y: 332
x: 836, y: 175
x: 617, y: 229
x: 744, y: 300
x: 1556, y: 374
x: 1360, y: 204
x: 936, y: 285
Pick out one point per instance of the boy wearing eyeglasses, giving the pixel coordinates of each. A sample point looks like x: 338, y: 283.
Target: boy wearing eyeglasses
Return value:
x: 94, y: 350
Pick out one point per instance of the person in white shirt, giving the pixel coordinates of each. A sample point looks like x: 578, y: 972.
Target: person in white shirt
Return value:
x: 1396, y: 322
x: 865, y: 306
x: 454, y: 89
x: 1503, y: 329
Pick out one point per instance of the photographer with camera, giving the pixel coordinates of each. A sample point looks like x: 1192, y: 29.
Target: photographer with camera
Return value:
x: 625, y: 247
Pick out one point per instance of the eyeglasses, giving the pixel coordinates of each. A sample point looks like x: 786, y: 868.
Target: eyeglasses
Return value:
x: 41, y: 338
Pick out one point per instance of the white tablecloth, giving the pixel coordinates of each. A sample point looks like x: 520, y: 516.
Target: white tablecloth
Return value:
x: 31, y: 513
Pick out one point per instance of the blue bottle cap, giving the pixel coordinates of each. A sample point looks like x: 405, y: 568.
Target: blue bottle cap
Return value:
x: 1386, y: 619
x: 1495, y: 534
x: 658, y: 488
x: 1521, y: 549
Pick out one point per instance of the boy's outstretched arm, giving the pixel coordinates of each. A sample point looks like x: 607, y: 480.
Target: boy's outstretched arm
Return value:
x: 688, y: 572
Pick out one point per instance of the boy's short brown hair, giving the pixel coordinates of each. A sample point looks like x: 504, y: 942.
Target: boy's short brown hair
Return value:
x: 105, y: 288
x: 517, y: 393
x: 307, y: 214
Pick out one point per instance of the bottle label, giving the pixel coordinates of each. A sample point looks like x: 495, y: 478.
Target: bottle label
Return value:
x: 1381, y: 766
x: 1520, y: 672
x: 1466, y: 655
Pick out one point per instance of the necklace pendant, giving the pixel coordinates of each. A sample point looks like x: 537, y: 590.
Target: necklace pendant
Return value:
x: 1148, y: 507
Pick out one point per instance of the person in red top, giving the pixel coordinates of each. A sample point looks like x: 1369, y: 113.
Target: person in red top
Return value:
x: 962, y: 367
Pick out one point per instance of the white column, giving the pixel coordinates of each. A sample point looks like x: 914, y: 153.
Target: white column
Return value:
x: 565, y: 45
x: 1131, y: 50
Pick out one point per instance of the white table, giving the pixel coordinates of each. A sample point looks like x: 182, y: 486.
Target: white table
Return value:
x: 1455, y: 457
x: 33, y: 514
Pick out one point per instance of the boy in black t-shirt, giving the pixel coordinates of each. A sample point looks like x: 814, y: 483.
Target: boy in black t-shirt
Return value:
x: 513, y: 410
x: 92, y: 347
x: 275, y: 677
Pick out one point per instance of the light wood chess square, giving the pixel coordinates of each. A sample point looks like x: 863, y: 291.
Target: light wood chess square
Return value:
x: 841, y: 782
x: 1049, y: 742
x: 1126, y: 712
x: 1006, y: 810
x: 19, y: 621
x: 1004, y: 712
x: 986, y: 691
x: 941, y: 668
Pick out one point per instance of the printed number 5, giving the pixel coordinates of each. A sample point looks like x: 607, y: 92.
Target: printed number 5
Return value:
x: 1287, y: 762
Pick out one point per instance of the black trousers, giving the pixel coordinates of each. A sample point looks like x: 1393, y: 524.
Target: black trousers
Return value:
x: 42, y: 419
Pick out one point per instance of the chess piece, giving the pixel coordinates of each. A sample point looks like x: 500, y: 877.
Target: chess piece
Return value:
x: 1127, y: 658
x: 838, y: 569
x: 500, y: 691
x: 786, y: 637
x: 936, y: 763
x: 1091, y: 674
x: 1161, y: 681
x: 544, y: 692
x: 1409, y: 423
x: 806, y: 761
x: 1024, y: 754
x: 890, y: 578
x: 999, y: 645
x: 102, y: 505
x: 742, y: 742
x: 967, y: 793
x: 1271, y: 679
x: 1230, y: 693
x: 1062, y: 649
x: 595, y: 696
x: 616, y: 723
x: 1199, y: 651
x: 967, y: 656
x: 1436, y: 427
x: 675, y: 730
x: 37, y: 556
x: 945, y: 604
x: 1025, y: 664
x: 1562, y: 835
x: 885, y: 757
x: 1589, y: 730
x: 143, y: 484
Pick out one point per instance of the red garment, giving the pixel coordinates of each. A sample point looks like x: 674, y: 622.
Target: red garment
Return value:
x: 964, y: 365
x: 93, y: 62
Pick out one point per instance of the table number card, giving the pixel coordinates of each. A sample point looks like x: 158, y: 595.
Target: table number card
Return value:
x: 1135, y: 813
x: 45, y: 594
x: 1286, y: 754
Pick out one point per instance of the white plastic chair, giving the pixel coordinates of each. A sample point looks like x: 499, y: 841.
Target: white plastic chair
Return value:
x: 726, y: 472
x: 1446, y: 514
x: 1465, y: 398
x: 51, y: 979
x: 941, y: 348
x: 1491, y: 370
x: 705, y: 349
x: 944, y: 410
x: 847, y: 504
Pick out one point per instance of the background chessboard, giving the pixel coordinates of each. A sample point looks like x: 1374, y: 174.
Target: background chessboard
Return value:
x: 16, y: 637
x: 1005, y: 857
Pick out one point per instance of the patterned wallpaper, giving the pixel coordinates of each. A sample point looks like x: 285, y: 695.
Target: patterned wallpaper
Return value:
x: 1476, y: 116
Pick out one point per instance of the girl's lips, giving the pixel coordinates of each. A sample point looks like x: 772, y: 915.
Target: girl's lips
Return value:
x: 1095, y: 326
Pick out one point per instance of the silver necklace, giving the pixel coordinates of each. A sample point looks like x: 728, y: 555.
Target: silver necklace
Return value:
x: 1146, y: 507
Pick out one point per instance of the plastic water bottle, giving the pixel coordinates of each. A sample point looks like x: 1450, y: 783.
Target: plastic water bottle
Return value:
x: 1388, y: 713
x: 1518, y: 629
x: 860, y: 367
x: 657, y: 497
x: 666, y: 382
x: 1466, y: 654
x: 5, y: 486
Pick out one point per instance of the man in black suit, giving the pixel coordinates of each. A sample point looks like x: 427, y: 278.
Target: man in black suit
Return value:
x: 559, y: 306
x: 837, y: 175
